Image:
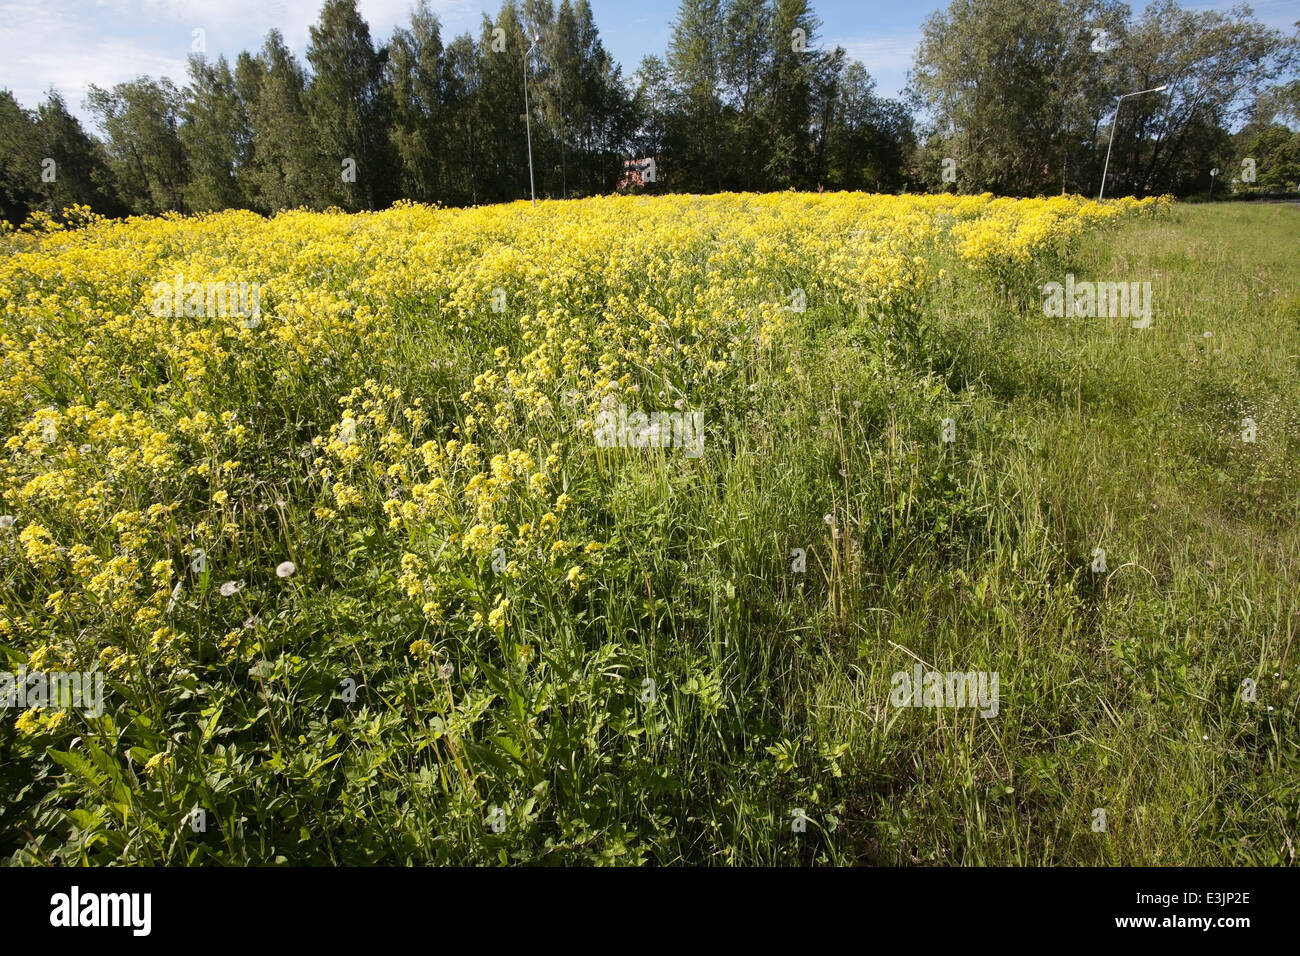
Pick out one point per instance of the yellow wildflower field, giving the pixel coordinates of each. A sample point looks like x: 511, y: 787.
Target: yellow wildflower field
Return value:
x: 379, y: 517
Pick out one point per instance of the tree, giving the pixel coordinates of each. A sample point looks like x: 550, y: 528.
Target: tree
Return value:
x: 83, y: 175
x: 747, y: 65
x: 1266, y: 144
x: 20, y: 161
x: 650, y: 113
x: 461, y: 80
x: 347, y: 107
x: 286, y: 168
x: 869, y: 138
x: 825, y: 73
x: 559, y: 92
x: 1016, y: 87
x: 417, y: 78
x: 499, y: 112
x: 1214, y: 63
x: 248, y: 84
x: 790, y: 103
x: 1272, y: 154
x: 141, y: 120
x: 598, y: 107
x: 1022, y: 93
x: 212, y: 133
x: 695, y: 60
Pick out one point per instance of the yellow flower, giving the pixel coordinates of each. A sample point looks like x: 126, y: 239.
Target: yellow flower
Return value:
x: 161, y: 572
x: 28, y: 722
x: 39, y: 546
x: 229, y: 644
x: 42, y: 657
x: 158, y: 761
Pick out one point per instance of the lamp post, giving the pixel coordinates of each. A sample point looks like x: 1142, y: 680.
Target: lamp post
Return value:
x: 528, y: 122
x: 1111, y: 142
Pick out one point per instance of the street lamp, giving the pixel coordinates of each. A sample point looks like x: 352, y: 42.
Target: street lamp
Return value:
x: 1155, y: 89
x: 528, y: 121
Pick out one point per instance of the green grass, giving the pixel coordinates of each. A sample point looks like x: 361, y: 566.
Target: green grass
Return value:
x: 1120, y: 691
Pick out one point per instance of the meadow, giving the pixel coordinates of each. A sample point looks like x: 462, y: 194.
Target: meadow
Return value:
x: 388, y: 569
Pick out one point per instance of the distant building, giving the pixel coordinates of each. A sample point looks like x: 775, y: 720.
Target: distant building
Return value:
x: 638, y: 173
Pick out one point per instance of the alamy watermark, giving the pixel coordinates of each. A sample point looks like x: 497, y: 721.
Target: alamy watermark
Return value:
x: 923, y: 688
x: 129, y: 910
x: 1094, y: 299
x: 617, y: 428
x: 83, y: 690
x: 208, y: 299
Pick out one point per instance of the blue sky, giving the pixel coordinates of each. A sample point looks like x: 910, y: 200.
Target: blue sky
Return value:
x: 70, y: 44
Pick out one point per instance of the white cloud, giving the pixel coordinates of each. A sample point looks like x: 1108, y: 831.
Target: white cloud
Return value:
x: 72, y: 70
x: 881, y: 54
x: 70, y: 44
x: 1278, y: 14
x: 887, y: 58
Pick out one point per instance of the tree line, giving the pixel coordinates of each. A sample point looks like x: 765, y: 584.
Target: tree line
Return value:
x: 1013, y: 97
x: 1023, y: 95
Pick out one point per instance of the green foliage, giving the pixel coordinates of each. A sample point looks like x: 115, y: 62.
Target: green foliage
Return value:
x: 1023, y: 93
x: 287, y: 165
x: 214, y: 127
x: 20, y: 160
x: 349, y: 109
x: 141, y: 121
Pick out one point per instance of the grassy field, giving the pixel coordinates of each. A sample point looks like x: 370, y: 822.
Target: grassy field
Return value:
x: 367, y: 588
